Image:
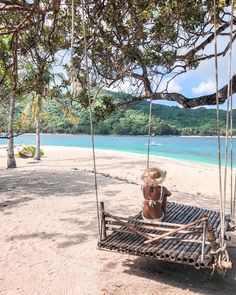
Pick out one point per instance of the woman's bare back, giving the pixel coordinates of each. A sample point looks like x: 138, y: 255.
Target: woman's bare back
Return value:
x: 155, y: 199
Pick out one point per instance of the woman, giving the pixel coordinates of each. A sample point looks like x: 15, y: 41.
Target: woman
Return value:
x: 155, y: 195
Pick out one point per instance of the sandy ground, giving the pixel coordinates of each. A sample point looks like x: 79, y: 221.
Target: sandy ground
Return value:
x: 48, y: 225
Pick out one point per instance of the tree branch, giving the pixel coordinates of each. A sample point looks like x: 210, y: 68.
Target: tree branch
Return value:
x: 207, y: 41
x: 183, y: 100
x: 23, y: 6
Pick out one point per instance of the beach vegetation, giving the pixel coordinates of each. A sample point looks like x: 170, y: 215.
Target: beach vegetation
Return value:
x: 28, y: 152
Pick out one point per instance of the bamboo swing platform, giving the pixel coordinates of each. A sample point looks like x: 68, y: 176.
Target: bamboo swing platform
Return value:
x: 189, y: 235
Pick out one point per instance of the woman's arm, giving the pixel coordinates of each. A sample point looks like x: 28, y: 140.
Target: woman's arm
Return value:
x: 167, y: 192
x: 163, y: 205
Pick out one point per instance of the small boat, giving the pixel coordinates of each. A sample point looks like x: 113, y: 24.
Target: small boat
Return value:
x: 153, y: 143
x: 26, y: 155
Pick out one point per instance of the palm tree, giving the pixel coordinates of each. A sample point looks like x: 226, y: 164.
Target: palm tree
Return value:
x: 36, y: 115
x: 40, y: 77
x: 33, y: 111
x: 11, y: 161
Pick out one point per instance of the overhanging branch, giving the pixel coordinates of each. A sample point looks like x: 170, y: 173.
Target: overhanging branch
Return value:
x: 183, y: 100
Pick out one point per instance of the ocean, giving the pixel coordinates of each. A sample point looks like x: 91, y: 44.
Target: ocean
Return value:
x: 197, y: 149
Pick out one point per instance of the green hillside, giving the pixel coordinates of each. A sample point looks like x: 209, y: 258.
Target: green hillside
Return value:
x: 200, y: 121
x: 131, y: 120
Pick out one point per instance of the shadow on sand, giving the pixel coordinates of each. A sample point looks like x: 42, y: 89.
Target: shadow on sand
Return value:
x: 69, y: 240
x: 44, y: 184
x: 183, y: 276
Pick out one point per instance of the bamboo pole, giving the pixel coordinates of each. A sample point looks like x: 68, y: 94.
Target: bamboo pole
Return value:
x: 175, y: 230
x: 167, y: 238
x: 203, y: 241
x: 186, y: 214
x: 192, y: 256
x: 182, y: 215
x: 172, y: 251
x: 110, y: 223
x: 189, y: 250
x: 211, y: 237
x: 132, y: 228
x: 195, y: 251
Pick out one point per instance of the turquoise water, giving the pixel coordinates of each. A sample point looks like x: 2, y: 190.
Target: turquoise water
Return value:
x: 198, y: 149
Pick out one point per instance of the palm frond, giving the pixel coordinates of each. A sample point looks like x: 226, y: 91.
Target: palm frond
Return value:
x: 25, y: 117
x: 68, y: 113
x: 36, y: 107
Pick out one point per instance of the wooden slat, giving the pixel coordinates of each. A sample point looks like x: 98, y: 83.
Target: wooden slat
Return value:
x: 155, y: 228
x: 128, y: 225
x: 176, y: 230
x: 167, y: 238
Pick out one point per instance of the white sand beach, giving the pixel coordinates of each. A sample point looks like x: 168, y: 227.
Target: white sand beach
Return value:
x: 48, y: 225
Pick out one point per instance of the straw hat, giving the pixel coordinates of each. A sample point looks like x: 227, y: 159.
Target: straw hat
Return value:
x: 153, y: 176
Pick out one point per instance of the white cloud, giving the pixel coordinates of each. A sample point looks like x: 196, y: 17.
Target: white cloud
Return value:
x: 207, y: 67
x: 124, y: 86
x: 204, y: 87
x: 128, y: 85
x: 173, y: 86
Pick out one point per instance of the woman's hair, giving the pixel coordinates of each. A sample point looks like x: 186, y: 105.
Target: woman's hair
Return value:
x: 153, y: 176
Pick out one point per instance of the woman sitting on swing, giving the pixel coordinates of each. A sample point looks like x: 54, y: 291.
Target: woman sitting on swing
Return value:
x: 155, y: 195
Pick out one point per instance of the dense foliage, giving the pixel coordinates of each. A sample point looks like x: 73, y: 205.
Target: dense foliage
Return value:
x: 133, y: 120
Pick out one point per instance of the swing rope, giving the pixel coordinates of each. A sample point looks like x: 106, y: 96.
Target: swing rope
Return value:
x: 218, y: 126
x: 229, y: 96
x: 72, y: 34
x: 73, y: 80
x: 150, y: 128
x: 149, y: 131
x: 229, y: 117
x: 90, y: 115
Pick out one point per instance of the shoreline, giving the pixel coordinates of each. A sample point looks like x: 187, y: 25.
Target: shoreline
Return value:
x: 127, y: 135
x: 178, y: 161
x: 125, y: 153
x: 186, y: 161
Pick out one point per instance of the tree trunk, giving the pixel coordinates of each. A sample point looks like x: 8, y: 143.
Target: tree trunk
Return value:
x: 11, y: 161
x: 37, y: 155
